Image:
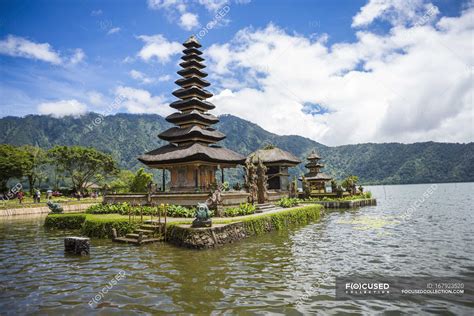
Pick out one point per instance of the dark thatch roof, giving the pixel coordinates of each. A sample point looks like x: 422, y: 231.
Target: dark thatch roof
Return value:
x: 192, y: 102
x: 184, y: 92
x: 313, y: 156
x: 170, y: 154
x: 274, y: 155
x: 192, y: 80
x: 192, y: 42
x: 177, y: 134
x: 317, y: 176
x: 192, y: 63
x: 192, y: 71
x: 192, y: 57
x: 194, y: 115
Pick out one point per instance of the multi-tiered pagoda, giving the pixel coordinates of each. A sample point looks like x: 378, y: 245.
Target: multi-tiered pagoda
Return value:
x: 191, y: 156
x: 316, y: 179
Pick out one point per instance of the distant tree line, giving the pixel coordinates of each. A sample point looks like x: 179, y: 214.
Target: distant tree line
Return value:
x: 80, y: 167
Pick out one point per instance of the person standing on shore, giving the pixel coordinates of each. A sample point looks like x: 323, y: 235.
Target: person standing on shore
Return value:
x: 20, y: 196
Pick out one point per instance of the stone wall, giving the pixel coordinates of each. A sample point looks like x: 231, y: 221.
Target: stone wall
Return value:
x: 184, y: 199
x: 44, y: 209
x: 220, y: 234
x: 346, y: 204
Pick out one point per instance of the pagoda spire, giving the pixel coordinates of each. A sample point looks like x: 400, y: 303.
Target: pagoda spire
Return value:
x: 193, y: 121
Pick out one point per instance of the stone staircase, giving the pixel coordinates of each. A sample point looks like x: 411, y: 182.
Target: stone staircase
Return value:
x: 147, y: 233
x: 265, y: 207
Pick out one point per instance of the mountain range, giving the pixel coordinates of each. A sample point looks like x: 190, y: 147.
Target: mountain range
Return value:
x: 126, y: 136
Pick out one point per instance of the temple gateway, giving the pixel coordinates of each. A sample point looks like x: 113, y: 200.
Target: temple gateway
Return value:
x: 191, y: 157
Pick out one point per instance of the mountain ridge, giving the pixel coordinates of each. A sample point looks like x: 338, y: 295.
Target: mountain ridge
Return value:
x: 126, y: 136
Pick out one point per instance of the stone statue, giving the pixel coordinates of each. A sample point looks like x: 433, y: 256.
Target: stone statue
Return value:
x: 203, y: 216
x: 55, y: 207
x: 262, y: 182
x: 215, y: 201
x: 251, y: 180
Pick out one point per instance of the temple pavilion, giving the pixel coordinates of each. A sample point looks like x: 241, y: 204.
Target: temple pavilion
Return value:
x: 192, y: 157
x: 277, y: 162
x: 315, y: 178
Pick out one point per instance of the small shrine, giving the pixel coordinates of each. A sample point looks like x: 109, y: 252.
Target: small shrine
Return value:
x: 316, y: 180
x: 191, y: 157
x: 275, y: 163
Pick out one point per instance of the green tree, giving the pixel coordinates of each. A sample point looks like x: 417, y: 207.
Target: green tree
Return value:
x: 34, y: 161
x: 349, y: 183
x: 140, y: 181
x: 122, y: 182
x: 11, y: 161
x: 82, y: 164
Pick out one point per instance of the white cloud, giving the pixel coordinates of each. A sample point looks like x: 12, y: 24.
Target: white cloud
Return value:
x: 213, y: 5
x: 164, y: 78
x: 62, y: 108
x: 113, y: 30
x: 140, y: 76
x: 188, y: 21
x: 96, y: 12
x: 158, y: 47
x: 22, y: 47
x: 163, y: 4
x: 141, y: 101
x: 96, y: 98
x: 412, y: 84
x: 78, y: 56
x: 397, y: 12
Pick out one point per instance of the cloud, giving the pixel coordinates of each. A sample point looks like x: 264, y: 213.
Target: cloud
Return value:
x: 411, y: 84
x: 164, y: 78
x: 113, y: 30
x: 140, y: 76
x: 22, y: 47
x: 96, y: 98
x: 141, y: 101
x: 213, y: 5
x: 96, y: 12
x: 188, y: 21
x: 62, y: 108
x: 78, y: 56
x: 158, y: 47
x: 397, y: 12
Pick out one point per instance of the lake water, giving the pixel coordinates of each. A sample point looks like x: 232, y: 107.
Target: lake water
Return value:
x: 409, y: 233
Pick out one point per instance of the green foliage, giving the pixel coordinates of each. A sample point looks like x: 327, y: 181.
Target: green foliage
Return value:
x: 140, y: 181
x: 11, y: 162
x: 64, y: 221
x: 81, y: 164
x: 349, y: 182
x: 179, y: 211
x: 243, y: 209
x: 101, y: 227
x: 123, y: 181
x: 127, y: 209
x: 288, y: 202
x: 257, y: 225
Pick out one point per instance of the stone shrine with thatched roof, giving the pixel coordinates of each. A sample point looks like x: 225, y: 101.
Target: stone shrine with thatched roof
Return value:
x: 316, y: 180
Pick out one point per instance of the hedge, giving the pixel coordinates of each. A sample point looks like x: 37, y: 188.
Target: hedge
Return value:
x: 64, y: 221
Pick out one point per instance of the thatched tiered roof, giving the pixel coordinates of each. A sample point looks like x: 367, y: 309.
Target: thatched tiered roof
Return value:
x: 275, y: 156
x: 314, y: 167
x: 192, y: 138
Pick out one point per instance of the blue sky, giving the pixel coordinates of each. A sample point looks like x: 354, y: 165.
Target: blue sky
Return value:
x: 68, y: 57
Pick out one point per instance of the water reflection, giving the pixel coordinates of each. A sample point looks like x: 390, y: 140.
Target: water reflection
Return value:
x: 287, y: 272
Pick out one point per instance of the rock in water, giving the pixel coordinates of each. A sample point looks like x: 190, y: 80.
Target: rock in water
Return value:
x: 77, y: 245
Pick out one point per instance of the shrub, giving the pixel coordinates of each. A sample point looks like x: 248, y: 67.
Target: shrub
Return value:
x: 64, y: 221
x: 259, y: 224
x: 101, y: 226
x: 243, y: 209
x: 288, y: 202
x: 179, y: 211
